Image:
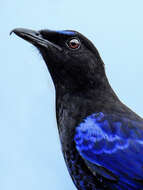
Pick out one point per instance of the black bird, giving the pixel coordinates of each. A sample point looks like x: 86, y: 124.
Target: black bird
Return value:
x: 102, y: 139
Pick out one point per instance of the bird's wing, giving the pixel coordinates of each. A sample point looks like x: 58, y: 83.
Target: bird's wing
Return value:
x: 111, y: 146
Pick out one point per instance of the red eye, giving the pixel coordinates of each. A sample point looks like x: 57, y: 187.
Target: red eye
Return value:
x: 74, y: 43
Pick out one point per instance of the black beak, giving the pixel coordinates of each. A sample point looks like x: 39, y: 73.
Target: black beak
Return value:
x: 34, y: 37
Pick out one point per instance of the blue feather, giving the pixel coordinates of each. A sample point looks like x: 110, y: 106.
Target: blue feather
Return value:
x: 66, y: 32
x: 113, y: 143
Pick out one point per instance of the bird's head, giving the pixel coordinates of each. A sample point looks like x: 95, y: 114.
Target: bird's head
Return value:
x: 73, y: 61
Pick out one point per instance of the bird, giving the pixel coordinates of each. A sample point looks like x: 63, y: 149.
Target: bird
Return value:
x: 101, y: 138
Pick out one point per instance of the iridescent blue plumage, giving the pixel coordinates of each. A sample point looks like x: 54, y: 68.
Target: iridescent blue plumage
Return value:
x: 66, y: 32
x: 111, y: 146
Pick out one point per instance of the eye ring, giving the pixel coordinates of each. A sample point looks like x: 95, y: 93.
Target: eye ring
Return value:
x: 74, y: 43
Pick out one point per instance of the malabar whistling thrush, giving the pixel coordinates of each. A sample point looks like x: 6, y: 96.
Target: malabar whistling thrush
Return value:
x: 101, y: 138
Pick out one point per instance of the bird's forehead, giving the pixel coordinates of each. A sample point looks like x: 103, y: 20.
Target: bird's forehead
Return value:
x: 66, y: 32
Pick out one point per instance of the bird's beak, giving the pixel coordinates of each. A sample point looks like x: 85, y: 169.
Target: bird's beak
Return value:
x: 34, y: 37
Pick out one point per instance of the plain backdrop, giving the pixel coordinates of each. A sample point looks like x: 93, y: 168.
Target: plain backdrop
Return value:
x: 30, y: 151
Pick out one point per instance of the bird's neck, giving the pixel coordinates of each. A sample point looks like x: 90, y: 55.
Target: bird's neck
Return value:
x: 93, y: 90
x: 73, y: 107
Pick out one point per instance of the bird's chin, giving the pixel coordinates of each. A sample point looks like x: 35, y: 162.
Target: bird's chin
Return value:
x: 35, y: 38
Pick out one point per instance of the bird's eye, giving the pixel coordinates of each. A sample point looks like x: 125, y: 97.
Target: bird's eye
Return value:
x: 74, y: 43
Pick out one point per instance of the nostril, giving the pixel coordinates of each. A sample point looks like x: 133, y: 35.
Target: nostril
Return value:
x: 37, y: 34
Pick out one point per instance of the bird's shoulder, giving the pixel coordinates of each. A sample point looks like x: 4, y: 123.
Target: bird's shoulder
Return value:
x: 111, y: 145
x: 111, y: 127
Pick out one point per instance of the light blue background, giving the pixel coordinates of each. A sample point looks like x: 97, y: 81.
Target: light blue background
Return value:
x: 30, y: 152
